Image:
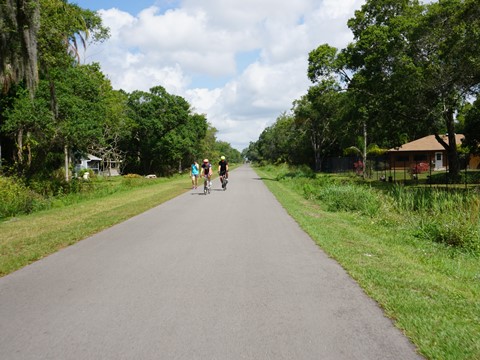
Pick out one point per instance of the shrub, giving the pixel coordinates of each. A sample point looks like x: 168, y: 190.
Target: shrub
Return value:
x: 419, y: 168
x: 450, y: 218
x: 295, y: 172
x: 131, y: 179
x: 345, y: 197
x: 132, y: 176
x: 16, y: 198
x: 452, y: 231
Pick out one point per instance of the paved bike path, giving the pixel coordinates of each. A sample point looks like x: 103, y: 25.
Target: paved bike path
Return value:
x: 227, y: 275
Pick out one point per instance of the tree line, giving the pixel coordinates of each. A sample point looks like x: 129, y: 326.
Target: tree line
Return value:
x: 54, y: 109
x: 412, y: 70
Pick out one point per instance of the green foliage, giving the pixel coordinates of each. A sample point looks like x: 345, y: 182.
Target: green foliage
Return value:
x: 74, y: 109
x: 450, y: 218
x: 455, y: 231
x: 472, y: 128
x: 19, y: 25
x: 295, y: 172
x: 349, y: 197
x: 165, y: 131
x: 434, y: 215
x: 16, y: 198
x: 132, y: 176
x: 323, y: 62
x: 39, y: 194
x: 284, y: 141
x: 415, y: 66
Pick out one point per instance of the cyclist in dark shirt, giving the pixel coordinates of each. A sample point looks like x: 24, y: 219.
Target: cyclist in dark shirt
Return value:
x: 223, y: 169
x: 207, y: 171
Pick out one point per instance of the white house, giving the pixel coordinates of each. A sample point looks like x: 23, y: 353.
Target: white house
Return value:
x: 90, y: 162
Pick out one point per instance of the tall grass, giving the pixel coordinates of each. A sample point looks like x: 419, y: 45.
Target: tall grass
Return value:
x: 449, y: 217
x: 349, y: 197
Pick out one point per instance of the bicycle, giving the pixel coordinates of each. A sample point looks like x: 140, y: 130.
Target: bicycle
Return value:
x: 223, y: 176
x: 206, y: 185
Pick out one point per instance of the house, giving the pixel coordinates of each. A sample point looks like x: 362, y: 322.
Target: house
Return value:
x: 426, y: 151
x: 88, y: 162
x: 99, y: 166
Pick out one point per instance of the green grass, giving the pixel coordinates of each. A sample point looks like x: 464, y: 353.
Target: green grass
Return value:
x: 27, y: 238
x: 430, y: 290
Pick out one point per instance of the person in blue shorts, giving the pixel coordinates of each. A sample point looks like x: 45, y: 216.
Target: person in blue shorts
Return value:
x: 194, y: 172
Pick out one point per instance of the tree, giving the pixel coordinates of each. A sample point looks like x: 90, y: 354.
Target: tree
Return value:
x: 82, y: 93
x: 19, y: 24
x: 29, y: 122
x: 318, y: 114
x: 450, y: 33
x: 62, y: 24
x: 164, y: 132
x: 418, y: 63
x: 115, y: 128
x: 472, y: 128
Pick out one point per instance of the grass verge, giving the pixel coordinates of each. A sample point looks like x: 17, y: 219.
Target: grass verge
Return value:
x: 27, y: 238
x: 431, y: 291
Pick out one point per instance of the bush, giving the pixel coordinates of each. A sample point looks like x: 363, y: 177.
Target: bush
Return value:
x: 295, y: 172
x: 452, y: 231
x: 344, y: 197
x: 16, y: 198
x: 419, y: 168
x: 450, y: 218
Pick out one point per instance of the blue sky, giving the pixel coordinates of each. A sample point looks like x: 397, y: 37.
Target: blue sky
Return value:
x: 241, y: 63
x: 131, y: 6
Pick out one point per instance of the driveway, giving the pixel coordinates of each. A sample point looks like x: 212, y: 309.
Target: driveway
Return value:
x: 227, y: 275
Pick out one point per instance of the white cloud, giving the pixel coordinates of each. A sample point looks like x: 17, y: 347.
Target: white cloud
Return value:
x: 202, y: 39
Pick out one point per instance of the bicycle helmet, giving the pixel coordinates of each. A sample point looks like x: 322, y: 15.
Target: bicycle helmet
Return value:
x: 205, y: 160
x: 223, y: 157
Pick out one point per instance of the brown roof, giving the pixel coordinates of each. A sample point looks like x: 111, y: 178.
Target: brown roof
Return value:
x: 427, y: 143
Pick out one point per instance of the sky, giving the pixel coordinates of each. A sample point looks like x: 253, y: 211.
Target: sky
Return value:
x: 241, y: 63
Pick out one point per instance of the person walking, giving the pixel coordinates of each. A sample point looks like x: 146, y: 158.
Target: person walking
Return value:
x: 194, y: 172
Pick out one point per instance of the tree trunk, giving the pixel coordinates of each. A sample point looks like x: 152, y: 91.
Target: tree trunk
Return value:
x: 20, y: 146
x: 451, y: 147
x: 29, y: 155
x: 316, y: 152
x: 67, y: 175
x: 453, y: 160
x: 364, y: 155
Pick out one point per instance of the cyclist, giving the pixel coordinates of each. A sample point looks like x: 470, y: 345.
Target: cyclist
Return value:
x: 223, y: 169
x: 207, y: 171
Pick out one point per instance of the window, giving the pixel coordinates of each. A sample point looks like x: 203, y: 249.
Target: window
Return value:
x: 401, y: 158
x: 420, y: 157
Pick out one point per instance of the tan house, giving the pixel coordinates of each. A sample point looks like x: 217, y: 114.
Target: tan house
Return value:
x: 424, y: 151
